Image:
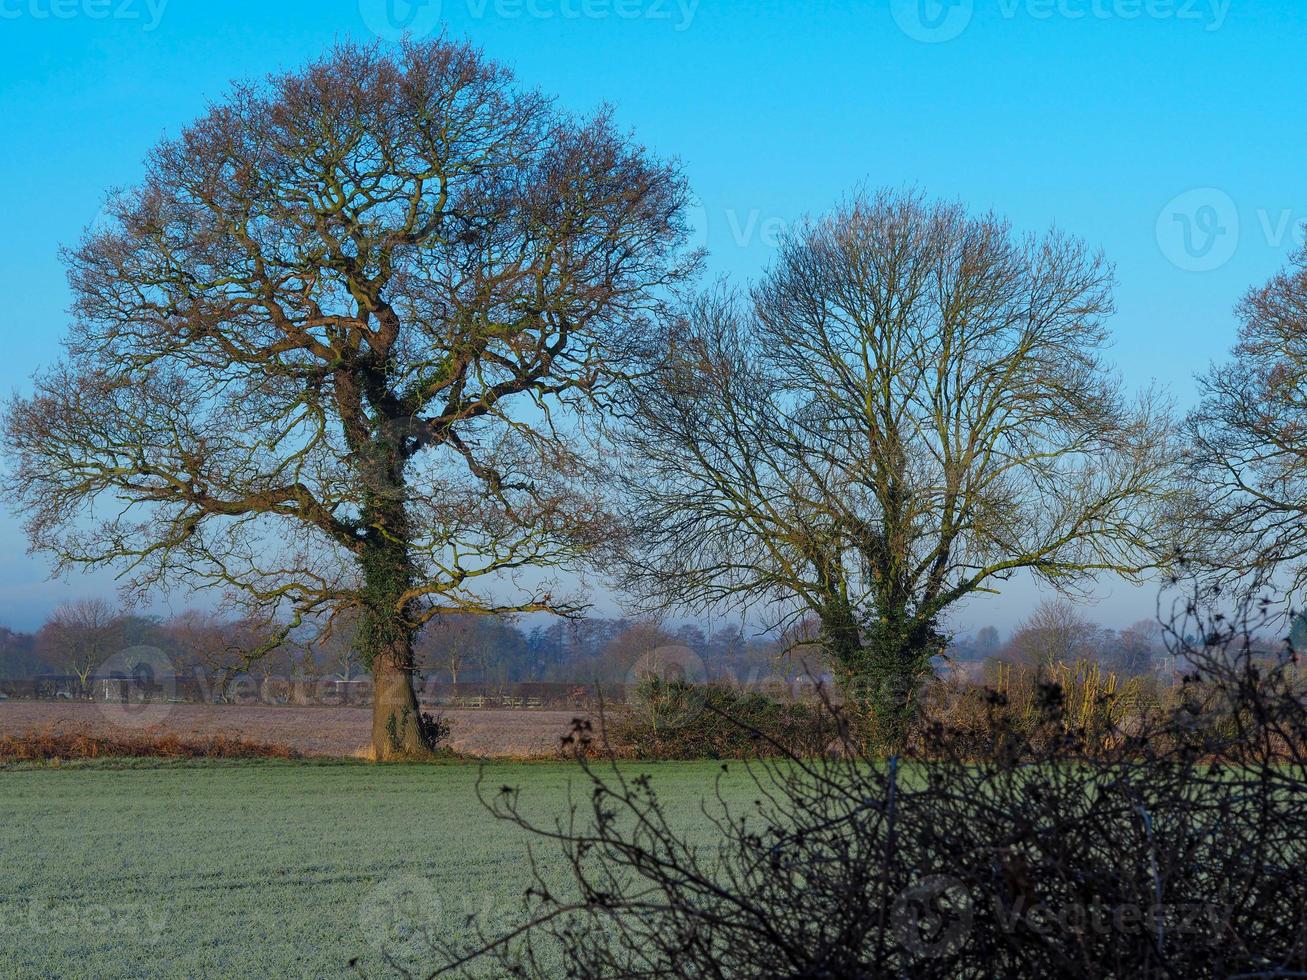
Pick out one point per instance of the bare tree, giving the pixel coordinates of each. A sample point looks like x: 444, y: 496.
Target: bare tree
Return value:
x: 223, y: 648
x: 910, y: 407
x: 331, y: 353
x: 987, y: 641
x: 456, y: 643
x: 18, y: 655
x: 1137, y: 647
x: 200, y: 645
x: 79, y: 636
x: 337, y: 650
x: 1247, y: 440
x: 638, y: 652
x: 1056, y: 632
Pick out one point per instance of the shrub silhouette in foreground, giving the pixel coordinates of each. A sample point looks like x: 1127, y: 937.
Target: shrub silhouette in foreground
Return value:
x: 1175, y: 847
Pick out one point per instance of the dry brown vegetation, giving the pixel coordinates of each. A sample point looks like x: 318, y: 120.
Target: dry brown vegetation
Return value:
x: 53, y: 745
x: 306, y: 730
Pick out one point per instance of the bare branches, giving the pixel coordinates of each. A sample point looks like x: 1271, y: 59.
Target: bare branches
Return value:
x: 1246, y: 448
x: 335, y: 351
x: 79, y: 636
x: 386, y: 283
x: 909, y: 407
x: 1167, y: 846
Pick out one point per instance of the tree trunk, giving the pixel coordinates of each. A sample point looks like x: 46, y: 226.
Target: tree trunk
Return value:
x: 397, y: 731
x: 887, y: 701
x: 300, y: 691
x: 880, y: 671
x: 386, y: 630
x: 386, y: 638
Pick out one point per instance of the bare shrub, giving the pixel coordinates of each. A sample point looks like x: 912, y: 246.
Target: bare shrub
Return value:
x: 677, y: 720
x: 1173, y: 848
x: 1097, y: 703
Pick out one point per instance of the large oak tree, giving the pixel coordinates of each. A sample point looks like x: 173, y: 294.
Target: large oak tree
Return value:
x: 909, y: 408
x: 328, y: 355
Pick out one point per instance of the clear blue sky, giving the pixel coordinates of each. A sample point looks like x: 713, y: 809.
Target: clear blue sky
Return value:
x: 1173, y: 133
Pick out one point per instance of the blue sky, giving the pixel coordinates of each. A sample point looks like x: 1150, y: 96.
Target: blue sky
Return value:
x: 1173, y: 133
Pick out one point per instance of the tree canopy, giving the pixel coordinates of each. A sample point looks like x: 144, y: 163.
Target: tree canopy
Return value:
x: 332, y: 351
x: 1246, y: 444
x: 911, y: 406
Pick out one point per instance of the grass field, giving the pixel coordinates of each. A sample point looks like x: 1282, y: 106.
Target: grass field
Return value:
x: 264, y: 868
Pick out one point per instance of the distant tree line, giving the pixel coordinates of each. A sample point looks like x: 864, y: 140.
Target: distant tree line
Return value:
x: 80, y: 635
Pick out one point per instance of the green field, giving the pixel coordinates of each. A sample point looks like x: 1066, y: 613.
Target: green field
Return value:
x: 259, y: 869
